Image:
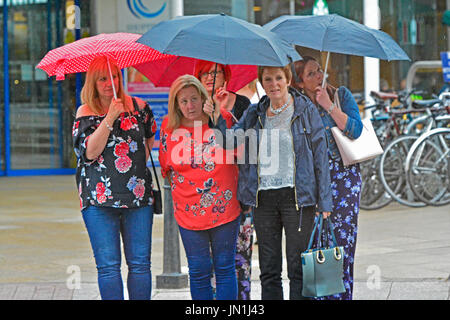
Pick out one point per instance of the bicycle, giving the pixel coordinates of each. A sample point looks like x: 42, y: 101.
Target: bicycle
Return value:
x: 388, y: 124
x: 392, y: 163
x: 427, y: 167
x: 373, y: 195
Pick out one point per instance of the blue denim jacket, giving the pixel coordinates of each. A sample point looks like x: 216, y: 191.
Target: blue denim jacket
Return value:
x: 312, y: 175
x: 353, y: 126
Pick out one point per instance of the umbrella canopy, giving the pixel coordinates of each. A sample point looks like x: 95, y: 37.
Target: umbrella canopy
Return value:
x: 163, y: 72
x: 334, y: 33
x: 77, y: 56
x: 221, y: 39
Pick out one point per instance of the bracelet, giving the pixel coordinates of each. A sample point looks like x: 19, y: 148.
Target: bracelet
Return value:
x: 108, y: 126
x: 331, y: 108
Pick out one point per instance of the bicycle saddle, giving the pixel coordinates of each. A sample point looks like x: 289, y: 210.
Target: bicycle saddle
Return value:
x: 420, y: 104
x: 383, y: 95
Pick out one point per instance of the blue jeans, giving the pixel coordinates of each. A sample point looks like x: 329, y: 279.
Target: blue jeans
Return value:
x: 221, y: 242
x: 104, y: 226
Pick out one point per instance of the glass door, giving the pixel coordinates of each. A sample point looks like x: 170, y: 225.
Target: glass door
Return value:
x: 2, y: 99
x: 41, y: 109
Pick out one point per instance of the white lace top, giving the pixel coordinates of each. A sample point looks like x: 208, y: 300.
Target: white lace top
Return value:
x: 276, y: 153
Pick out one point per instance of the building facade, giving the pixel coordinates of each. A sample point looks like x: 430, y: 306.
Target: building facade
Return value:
x: 36, y: 112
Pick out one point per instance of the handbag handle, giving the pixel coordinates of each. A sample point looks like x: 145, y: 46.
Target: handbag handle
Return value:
x: 154, y: 171
x: 318, y: 220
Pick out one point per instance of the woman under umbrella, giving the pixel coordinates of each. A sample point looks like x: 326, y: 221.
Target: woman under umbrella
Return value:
x: 345, y: 180
x: 203, y: 185
x: 290, y: 183
x: 112, y: 140
x: 215, y: 77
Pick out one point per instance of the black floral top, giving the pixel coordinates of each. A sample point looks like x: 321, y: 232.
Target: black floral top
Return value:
x: 119, y: 177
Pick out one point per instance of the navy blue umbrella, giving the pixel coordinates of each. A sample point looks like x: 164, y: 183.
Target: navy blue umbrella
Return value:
x: 333, y: 33
x: 221, y: 39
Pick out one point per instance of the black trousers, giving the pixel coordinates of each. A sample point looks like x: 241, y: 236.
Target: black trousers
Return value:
x: 277, y: 211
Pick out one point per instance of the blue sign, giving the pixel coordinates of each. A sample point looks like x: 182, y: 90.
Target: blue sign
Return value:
x: 138, y: 9
x: 445, y: 58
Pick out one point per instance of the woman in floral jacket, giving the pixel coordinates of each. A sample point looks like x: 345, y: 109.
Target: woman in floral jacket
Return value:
x: 112, y: 140
x: 345, y: 180
x: 203, y: 183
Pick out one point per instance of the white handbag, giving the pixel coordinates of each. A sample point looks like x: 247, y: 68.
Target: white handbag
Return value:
x: 365, y: 147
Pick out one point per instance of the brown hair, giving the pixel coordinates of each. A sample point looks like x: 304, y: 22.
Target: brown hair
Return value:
x: 97, y: 69
x: 174, y: 113
x: 286, y: 69
x: 299, y: 68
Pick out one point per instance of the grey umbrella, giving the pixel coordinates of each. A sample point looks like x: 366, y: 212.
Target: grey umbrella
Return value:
x: 333, y: 33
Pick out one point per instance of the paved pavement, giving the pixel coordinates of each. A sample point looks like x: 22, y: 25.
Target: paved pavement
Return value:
x: 402, y: 253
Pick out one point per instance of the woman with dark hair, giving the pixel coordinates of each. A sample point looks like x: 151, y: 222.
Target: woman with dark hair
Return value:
x: 345, y: 180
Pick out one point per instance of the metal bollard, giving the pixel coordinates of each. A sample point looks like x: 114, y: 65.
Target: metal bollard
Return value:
x: 171, y: 278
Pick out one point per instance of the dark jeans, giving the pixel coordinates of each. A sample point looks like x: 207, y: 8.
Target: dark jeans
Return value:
x: 220, y: 242
x: 277, y: 211
x: 105, y: 226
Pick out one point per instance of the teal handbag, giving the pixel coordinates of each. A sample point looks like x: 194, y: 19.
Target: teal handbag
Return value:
x: 322, y: 267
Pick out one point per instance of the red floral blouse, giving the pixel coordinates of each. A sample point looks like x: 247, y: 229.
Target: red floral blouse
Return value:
x: 203, y: 177
x: 119, y: 177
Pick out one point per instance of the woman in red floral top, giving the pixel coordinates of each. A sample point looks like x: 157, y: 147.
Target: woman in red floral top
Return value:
x: 204, y: 182
x: 112, y: 139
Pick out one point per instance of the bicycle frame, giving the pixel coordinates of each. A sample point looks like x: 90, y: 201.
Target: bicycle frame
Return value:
x: 419, y: 141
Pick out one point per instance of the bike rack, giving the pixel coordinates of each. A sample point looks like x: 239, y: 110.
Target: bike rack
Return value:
x: 431, y: 64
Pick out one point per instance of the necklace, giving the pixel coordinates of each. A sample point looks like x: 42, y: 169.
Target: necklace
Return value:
x: 280, y: 109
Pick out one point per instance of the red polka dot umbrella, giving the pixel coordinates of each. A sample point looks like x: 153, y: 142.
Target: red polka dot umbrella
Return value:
x: 76, y: 56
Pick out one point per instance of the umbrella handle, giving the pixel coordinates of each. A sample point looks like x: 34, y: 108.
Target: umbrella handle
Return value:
x: 325, y: 70
x: 112, y: 80
x: 212, y: 93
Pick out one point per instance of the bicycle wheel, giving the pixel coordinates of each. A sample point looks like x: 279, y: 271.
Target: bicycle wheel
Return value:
x: 392, y: 171
x: 373, y: 195
x: 429, y: 166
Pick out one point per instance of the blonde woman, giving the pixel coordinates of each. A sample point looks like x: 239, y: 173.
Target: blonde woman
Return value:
x: 112, y: 140
x: 203, y: 190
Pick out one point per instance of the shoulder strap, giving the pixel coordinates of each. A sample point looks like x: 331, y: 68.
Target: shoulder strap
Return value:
x: 336, y: 99
x: 135, y: 104
x: 154, y: 171
x: 136, y: 108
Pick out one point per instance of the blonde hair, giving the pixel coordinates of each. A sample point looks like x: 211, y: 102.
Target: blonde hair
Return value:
x: 89, y: 94
x: 174, y: 112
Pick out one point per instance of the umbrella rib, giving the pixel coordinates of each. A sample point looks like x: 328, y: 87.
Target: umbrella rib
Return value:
x: 378, y: 44
x: 325, y: 33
